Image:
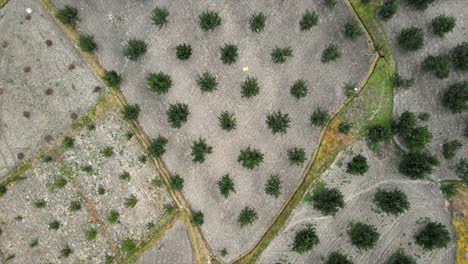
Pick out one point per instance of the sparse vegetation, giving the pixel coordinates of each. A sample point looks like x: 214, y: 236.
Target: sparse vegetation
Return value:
x: 462, y: 170
x: 198, y: 218
x: 411, y: 39
x: 363, y: 236
x: 305, y: 239
x: 87, y: 43
x: 358, y: 165
x: 439, y: 65
x: 388, y: 9
x: 330, y: 3
x: 393, y: 202
x: 420, y: 4
x: 68, y: 15
x: 125, y: 176
x: 131, y: 112
x: 299, y: 89
x: 209, y: 20
x: 417, y: 165
x: 183, y: 51
x: 456, y: 97
x: 177, y: 182
x: 257, y: 22
x: 91, y: 234
x: 350, y: 89
x: 107, y: 152
x: 112, y: 78
x: 128, y: 245
x: 135, y: 49
x: 54, y: 225
x: 247, y: 216
x: 113, y: 216
x: 351, y: 30
x: 34, y: 243
x: 450, y: 149
x: 273, y: 186
x: 442, y: 25
x: 131, y: 201
x: 379, y: 133
x: 434, y: 235
x: 250, y: 87
x: 66, y: 252
x: 327, y: 201
x: 401, y: 82
x: 448, y: 188
x: 199, y: 150
x: 319, y: 117
x: 74, y: 206
x: 60, y: 182
x: 337, y: 258
x: 160, y: 83
x: 207, y: 82
x: 250, y: 158
x: 278, y: 122
x: 40, y: 203
x: 227, y: 121
x: 459, y: 56
x: 3, y: 190
x: 344, y: 127
x: 159, y: 16
x: 177, y: 114
x: 229, y: 54
x: 157, y: 146
x: 68, y: 142
x: 226, y: 185
x: 330, y: 53
x: 280, y: 55
x: 309, y: 19
x: 296, y: 156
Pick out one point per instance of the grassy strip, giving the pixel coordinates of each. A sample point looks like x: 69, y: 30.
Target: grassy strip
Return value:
x: 16, y: 174
x: 3, y: 3
x: 461, y: 224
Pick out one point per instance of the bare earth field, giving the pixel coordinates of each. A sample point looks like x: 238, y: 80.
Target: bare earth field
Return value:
x: 44, y: 84
x: 114, y: 23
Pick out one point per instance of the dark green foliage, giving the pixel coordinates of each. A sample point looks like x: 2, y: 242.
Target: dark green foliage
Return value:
x: 257, y: 22
x: 247, y: 216
x: 60, y: 182
x: 411, y: 38
x: 159, y: 83
x: 420, y: 4
x: 68, y: 15
x: 68, y: 142
x: 229, y: 54
x: 392, y: 202
x: 91, y: 234
x: 223, y: 252
x: 309, y: 19
x: 379, y: 133
x: 442, y: 25
x: 450, y: 149
x: 157, y: 146
x: 87, y: 168
x: 177, y: 182
x: 319, y: 117
x: 227, y: 121
x: 434, y: 235
x: 250, y: 87
x: 128, y: 245
x: 350, y: 89
x: 273, y: 186
x: 278, y: 122
x: 456, y: 97
x: 54, y: 225
x: 327, y: 201
x: 159, y: 16
x: 74, y: 206
x: 177, y: 114
x: 418, y: 138
x: 459, y: 56
x: 250, y: 158
x: 330, y: 3
x: 66, y: 252
x: 109, y: 259
x: 131, y: 201
x: 351, y: 30
x: 113, y: 216
x: 358, y: 165
x: 40, y: 203
x: 399, y: 257
x: 462, y: 170
x: 424, y: 116
x: 198, y: 218
x: 437, y: 65
x: 296, y: 156
x: 337, y: 258
x: 344, y: 127
x: 388, y: 9
x: 305, y: 239
x: 47, y: 158
x: 226, y: 185
x: 401, y: 82
x: 101, y: 190
x: 207, y: 82
x: 363, y: 236
x: 86, y: 43
x: 183, y: 51
x: 34, y: 243
x: 448, y: 188
x: 107, y: 152
x: 330, y: 53
x: 417, y: 165
x: 405, y: 124
x: 199, y: 150
x: 131, y: 112
x: 125, y: 176
x: 3, y: 190
x: 299, y: 89
x: 142, y: 159
x: 135, y: 49
x: 279, y: 55
x: 209, y: 20
x: 112, y: 78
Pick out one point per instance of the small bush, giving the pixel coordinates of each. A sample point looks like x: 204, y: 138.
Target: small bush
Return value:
x: 159, y: 83
x: 401, y: 82
x: 459, y: 56
x: 68, y: 15
x: 279, y: 55
x: 399, y: 257
x: 177, y: 182
x: 350, y: 89
x: 319, y: 117
x: 177, y: 114
x: 66, y: 252
x: 309, y: 19
x: 456, y: 97
x: 437, y: 65
x: 125, y: 176
x: 112, y: 78
x: 330, y: 3
x: 159, y: 16
x: 434, y: 235
x: 226, y: 185
x: 327, y: 201
x: 250, y: 158
x: 330, y: 53
x: 449, y: 189
x: 91, y: 234
x: 135, y: 49
x: 417, y: 165
x: 157, y: 146
x: 107, y: 152
x: 131, y: 112
x: 250, y: 87
x: 424, y: 116
x: 198, y: 218
x: 442, y: 25
x: 34, y: 243
x: 273, y: 186
x: 131, y: 201
x: 388, y: 9
x: 305, y: 239
x: 351, y: 30
x: 3, y: 190
x: 41, y: 203
x: 209, y: 20
x: 344, y: 127
x: 199, y: 150
x: 392, y: 202
x: 128, y: 245
x: 227, y: 121
x: 278, y: 122
x: 113, y: 216
x: 74, y: 206
x: 337, y: 258
x: 54, y: 225
x: 299, y: 89
x: 450, y: 149
x: 462, y: 170
x: 379, y: 133
x: 86, y: 43
x: 411, y: 38
x: 60, y: 182
x: 420, y: 4
x: 247, y: 216
x: 47, y: 158
x: 87, y: 168
x: 257, y: 22
x: 358, y: 165
x: 101, y: 190
x: 363, y: 236
x: 229, y: 54
x: 68, y: 142
x: 207, y: 82
x: 183, y: 51
x: 223, y: 252
x: 297, y: 156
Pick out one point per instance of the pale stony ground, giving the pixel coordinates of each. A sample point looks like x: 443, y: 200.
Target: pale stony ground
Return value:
x: 174, y: 247
x: 114, y: 24
x: 28, y: 116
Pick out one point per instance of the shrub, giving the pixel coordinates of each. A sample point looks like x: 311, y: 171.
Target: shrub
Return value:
x: 86, y: 43
x: 299, y: 89
x: 34, y: 243
x: 462, y: 170
x: 379, y: 133
x: 358, y: 165
x: 91, y: 233
x: 363, y: 236
x: 351, y: 30
x: 273, y: 186
x: 131, y: 201
x: 113, y: 216
x: 459, y: 56
x: 401, y: 82
x: 247, y: 216
x: 199, y: 150
x: 60, y: 182
x: 305, y: 239
x: 54, y: 225
x: 344, y: 127
x: 40, y: 203
x: 226, y: 185
x: 227, y: 121
x: 388, y: 9
x: 449, y: 189
x: 101, y: 190
x: 296, y: 156
x: 250, y: 87
x: 128, y: 245
x: 250, y: 158
x: 183, y: 51
x: 424, y: 116
x: 437, y: 65
x: 177, y: 182
x: 420, y: 4
x: 418, y: 138
x: 392, y: 202
x: 177, y: 114
x: 279, y: 55
x: 327, y: 201
x: 74, y: 206
x: 68, y: 142
x: 450, y: 149
x: 209, y: 20
x: 456, y: 97
x: 337, y: 258
x: 405, y: 124
x: 66, y: 252
x: 330, y: 53
x: 434, y: 235
x: 417, y: 165
x: 131, y: 112
x: 157, y: 146
x: 399, y: 257
x: 135, y: 49
x: 411, y: 38
x: 3, y: 190
x: 112, y: 78
x: 47, y: 158
x: 330, y: 3
x: 229, y: 54
x: 309, y: 19
x: 107, y: 152
x: 319, y: 117
x: 350, y: 89
x: 68, y: 15
x: 278, y: 122
x: 207, y: 82
x: 442, y: 25
x: 198, y: 218
x: 159, y: 83
x: 257, y: 22
x: 223, y: 252
x: 159, y: 16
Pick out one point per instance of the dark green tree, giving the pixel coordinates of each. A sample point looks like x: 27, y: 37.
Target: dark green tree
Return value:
x: 3, y: 190
x: 327, y: 201
x: 68, y: 142
x: 442, y: 25
x: 159, y: 16
x: 417, y: 165
x: 278, y: 122
x: 250, y: 87
x: 462, y: 170
x: 159, y: 83
x: 330, y: 53
x: 299, y: 89
x: 363, y: 236
x: 450, y: 148
x: 449, y: 189
x: 337, y: 258
x: 279, y: 55
x: 351, y: 30
x: 207, y: 82
x: 226, y: 185
x: 399, y: 257
x: 86, y: 43
x: 227, y: 121
x: 401, y: 82
x: 330, y: 3
x: 433, y: 235
x: 305, y: 239
x: 200, y: 149
x: 309, y: 19
x: 177, y: 114
x: 157, y: 146
x: 296, y: 156
x: 66, y: 251
x: 68, y: 15
x: 456, y: 97
x: 420, y: 4
x: 344, y: 127
x: 198, y: 218
x: 209, y: 20
x: 247, y: 216
x: 183, y: 51
x: 113, y: 216
x: 131, y: 112
x: 112, y: 78
x: 273, y: 186
x: 177, y: 182
x: 319, y: 117
x: 257, y: 22
x: 392, y: 202
x: 411, y: 38
x: 229, y: 54
x: 135, y: 49
x: 418, y: 138
x: 459, y: 56
x: 358, y: 165
x: 388, y: 9
x: 439, y: 65
x: 379, y: 133
x: 250, y: 158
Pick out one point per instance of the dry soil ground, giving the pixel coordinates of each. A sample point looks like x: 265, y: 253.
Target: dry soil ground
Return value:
x: 114, y: 23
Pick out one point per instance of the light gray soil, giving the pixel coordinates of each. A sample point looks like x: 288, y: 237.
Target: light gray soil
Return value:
x: 396, y: 232
x: 23, y: 45
x: 174, y: 247
x: 114, y: 23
